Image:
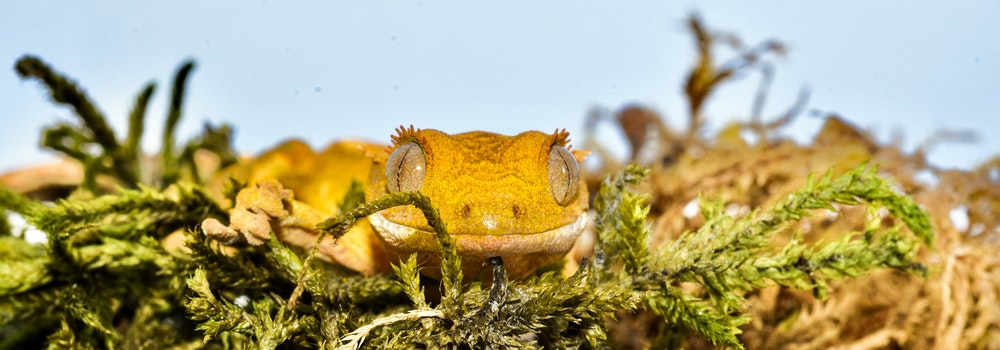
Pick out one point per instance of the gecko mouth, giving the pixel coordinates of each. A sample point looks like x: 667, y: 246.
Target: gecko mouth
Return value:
x: 408, y: 239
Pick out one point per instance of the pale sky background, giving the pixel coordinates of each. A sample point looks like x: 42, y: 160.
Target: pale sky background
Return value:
x: 322, y: 70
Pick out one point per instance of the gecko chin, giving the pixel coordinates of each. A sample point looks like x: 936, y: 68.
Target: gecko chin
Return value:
x: 405, y: 239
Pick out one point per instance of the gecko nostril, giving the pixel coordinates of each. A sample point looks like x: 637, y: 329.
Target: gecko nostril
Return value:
x: 466, y: 211
x: 517, y: 211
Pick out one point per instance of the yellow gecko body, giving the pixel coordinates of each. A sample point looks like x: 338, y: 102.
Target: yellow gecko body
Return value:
x: 518, y: 197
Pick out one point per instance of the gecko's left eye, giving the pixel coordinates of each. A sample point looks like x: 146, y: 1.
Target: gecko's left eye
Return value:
x: 564, y: 174
x: 404, y: 171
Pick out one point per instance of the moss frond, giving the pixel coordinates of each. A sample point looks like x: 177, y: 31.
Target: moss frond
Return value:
x: 170, y: 160
x: 64, y: 91
x: 621, y: 219
x: 409, y: 278
x: 132, y: 213
x: 686, y: 313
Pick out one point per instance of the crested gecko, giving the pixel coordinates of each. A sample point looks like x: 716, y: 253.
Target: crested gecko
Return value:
x: 517, y: 197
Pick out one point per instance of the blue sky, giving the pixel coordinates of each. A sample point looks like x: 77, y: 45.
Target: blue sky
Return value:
x: 322, y: 70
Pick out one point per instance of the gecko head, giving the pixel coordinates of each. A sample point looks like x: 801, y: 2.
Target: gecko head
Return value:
x: 517, y: 197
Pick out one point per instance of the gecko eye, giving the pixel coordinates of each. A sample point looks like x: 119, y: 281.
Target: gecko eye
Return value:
x: 564, y: 174
x: 404, y: 172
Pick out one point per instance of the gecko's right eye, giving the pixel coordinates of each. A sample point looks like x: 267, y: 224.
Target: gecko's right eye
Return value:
x: 404, y: 172
x: 564, y: 174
